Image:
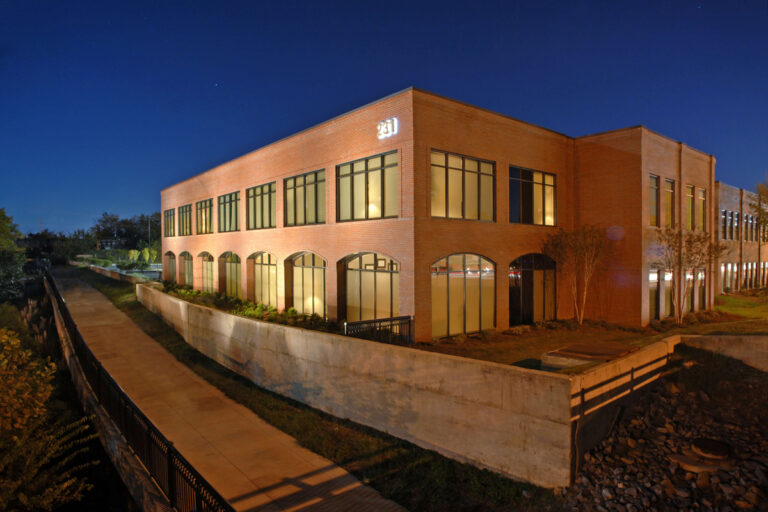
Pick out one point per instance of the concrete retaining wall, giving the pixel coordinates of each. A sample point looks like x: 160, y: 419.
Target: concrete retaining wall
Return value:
x: 512, y: 420
x: 119, y: 276
x: 752, y: 350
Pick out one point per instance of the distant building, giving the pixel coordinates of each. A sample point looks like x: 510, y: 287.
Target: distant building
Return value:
x: 421, y: 205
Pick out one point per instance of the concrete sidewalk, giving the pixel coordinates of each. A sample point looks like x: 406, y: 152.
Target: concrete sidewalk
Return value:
x: 252, y: 464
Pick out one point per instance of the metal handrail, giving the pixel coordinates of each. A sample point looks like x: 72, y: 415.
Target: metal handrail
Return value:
x: 186, y: 489
x: 395, y: 330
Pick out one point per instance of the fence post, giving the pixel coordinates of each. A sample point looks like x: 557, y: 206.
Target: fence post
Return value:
x: 171, y: 476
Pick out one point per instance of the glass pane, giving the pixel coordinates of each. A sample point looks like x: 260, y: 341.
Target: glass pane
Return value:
x: 321, y: 202
x: 353, y: 295
x: 258, y: 212
x: 454, y: 193
x: 439, y: 305
x: 437, y: 158
x: 395, y: 294
x: 486, y: 168
x: 470, y: 164
x: 344, y: 169
x: 273, y: 285
x: 473, y: 298
x: 487, y: 295
x: 298, y: 289
x: 309, y: 299
x: 549, y: 206
x: 391, y: 191
x: 311, y: 206
x: 367, y: 296
x: 290, y: 220
x: 455, y: 302
x: 486, y: 197
x: 374, y: 163
x: 514, y: 201
x: 273, y: 210
x: 374, y: 195
x: 359, y: 196
x: 300, y: 207
x: 470, y: 195
x: 383, y: 295
x: 390, y: 159
x: 319, y: 291
x: 345, y: 198
x: 437, y: 192
x: 454, y: 161
x: 538, y: 206
x: 549, y: 179
x: 265, y: 209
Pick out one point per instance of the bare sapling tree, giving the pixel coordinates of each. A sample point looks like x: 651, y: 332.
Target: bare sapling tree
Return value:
x: 684, y: 252
x: 577, y: 254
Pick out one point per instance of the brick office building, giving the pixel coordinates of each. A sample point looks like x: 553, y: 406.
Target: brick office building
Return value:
x: 424, y: 206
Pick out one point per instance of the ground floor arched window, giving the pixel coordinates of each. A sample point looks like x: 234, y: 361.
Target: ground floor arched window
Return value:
x: 231, y: 274
x: 372, y: 287
x: 532, y: 289
x: 701, y: 281
x: 206, y: 273
x: 463, y: 295
x: 305, y: 284
x: 265, y: 279
x: 186, y: 268
x: 170, y: 260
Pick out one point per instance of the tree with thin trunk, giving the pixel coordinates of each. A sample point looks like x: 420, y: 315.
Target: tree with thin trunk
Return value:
x: 682, y: 251
x: 577, y: 254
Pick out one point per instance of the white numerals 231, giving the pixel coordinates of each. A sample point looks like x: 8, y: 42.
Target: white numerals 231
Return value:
x: 387, y: 128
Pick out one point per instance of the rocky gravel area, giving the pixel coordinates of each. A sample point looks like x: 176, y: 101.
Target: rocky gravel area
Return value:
x: 648, y: 462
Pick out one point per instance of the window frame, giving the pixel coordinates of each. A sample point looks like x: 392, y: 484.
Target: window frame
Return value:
x: 366, y: 172
x: 204, y: 204
x: 655, y: 193
x: 229, y: 201
x: 544, y: 186
x: 185, y: 220
x: 318, y: 208
x: 250, y: 195
x: 169, y: 222
x: 463, y: 186
x: 669, y: 203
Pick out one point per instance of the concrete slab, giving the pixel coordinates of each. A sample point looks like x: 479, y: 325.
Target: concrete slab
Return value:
x: 252, y: 464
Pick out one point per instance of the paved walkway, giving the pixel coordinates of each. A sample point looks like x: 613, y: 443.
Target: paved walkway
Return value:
x: 252, y: 464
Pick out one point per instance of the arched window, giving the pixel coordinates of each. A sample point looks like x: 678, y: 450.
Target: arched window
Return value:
x: 372, y: 287
x: 229, y: 262
x: 463, y: 295
x: 305, y: 283
x: 531, y: 289
x: 207, y: 272
x: 186, y: 265
x: 265, y: 279
x: 170, y: 260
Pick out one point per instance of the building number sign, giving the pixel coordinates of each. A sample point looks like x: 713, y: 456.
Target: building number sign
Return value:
x: 387, y: 128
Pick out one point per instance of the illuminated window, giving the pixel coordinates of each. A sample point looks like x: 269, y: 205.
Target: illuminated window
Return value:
x: 305, y: 284
x: 261, y: 210
x: 701, y: 210
x: 736, y: 232
x: 669, y: 302
x: 461, y: 187
x: 186, y: 266
x: 229, y: 262
x: 170, y: 267
x: 669, y: 203
x: 463, y: 295
x: 531, y: 197
x: 265, y: 279
x: 689, y: 207
x: 372, y: 287
x: 653, y: 294
x: 724, y: 224
x: 204, y: 211
x: 169, y: 222
x: 207, y: 272
x: 653, y: 201
x: 305, y: 199
x: 229, y: 212
x: 368, y: 188
x: 185, y: 220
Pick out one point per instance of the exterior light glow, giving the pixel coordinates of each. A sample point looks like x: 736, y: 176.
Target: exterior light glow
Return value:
x: 387, y: 128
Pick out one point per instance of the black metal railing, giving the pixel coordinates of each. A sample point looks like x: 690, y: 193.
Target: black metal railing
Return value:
x: 186, y: 490
x: 396, y: 330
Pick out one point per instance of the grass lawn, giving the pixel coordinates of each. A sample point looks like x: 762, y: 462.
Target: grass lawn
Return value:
x: 417, y: 479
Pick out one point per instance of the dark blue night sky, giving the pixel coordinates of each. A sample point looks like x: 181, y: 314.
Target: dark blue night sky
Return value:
x: 103, y: 104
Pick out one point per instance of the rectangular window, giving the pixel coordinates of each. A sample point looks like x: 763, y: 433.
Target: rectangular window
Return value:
x: 736, y: 232
x: 169, y: 222
x: 368, y: 188
x: 689, y: 207
x: 669, y: 203
x: 653, y: 201
x: 185, y: 220
x: 229, y: 212
x: 305, y: 199
x: 204, y: 213
x: 462, y: 187
x: 653, y: 295
x: 261, y: 209
x: 730, y: 225
x: 531, y: 197
x: 701, y: 210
